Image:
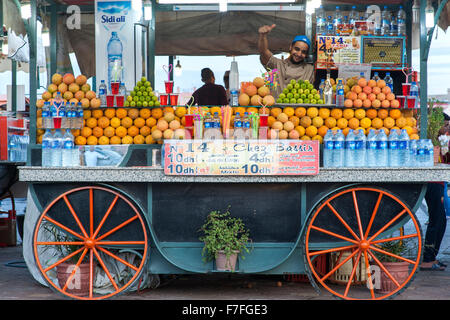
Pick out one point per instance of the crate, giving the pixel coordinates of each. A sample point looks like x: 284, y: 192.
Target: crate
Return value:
x: 342, y: 275
x: 320, y: 265
x: 8, y: 230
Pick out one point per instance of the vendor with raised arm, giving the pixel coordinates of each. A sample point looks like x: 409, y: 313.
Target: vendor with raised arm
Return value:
x: 294, y: 67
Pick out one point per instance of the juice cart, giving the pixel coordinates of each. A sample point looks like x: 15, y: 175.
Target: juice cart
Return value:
x: 135, y: 219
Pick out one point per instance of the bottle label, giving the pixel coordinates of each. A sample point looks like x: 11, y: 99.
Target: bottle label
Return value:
x: 329, y: 145
x: 101, y: 91
x: 338, y: 145
x: 80, y: 114
x: 402, y: 145
x: 372, y: 145
x: 68, y: 145
x: 351, y: 145
x: 382, y: 145
x: 56, y: 144
x: 340, y: 92
x: 45, y: 114
x: 393, y: 145
x: 359, y: 145
x: 45, y: 144
x: 238, y: 124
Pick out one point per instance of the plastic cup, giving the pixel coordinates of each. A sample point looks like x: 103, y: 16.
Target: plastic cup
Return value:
x: 109, y: 100
x: 402, y: 101
x: 163, y: 99
x: 411, y: 101
x: 57, y: 122
x: 263, y: 133
x: 263, y: 120
x: 169, y: 86
x: 189, y: 120
x: 405, y: 88
x: 115, y: 87
x: 174, y: 99
x: 119, y: 100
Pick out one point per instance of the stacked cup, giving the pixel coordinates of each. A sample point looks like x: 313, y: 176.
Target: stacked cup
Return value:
x: 168, y: 98
x: 119, y: 98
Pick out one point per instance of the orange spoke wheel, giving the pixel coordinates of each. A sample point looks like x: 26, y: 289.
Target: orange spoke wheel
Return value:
x: 84, y: 236
x: 370, y: 239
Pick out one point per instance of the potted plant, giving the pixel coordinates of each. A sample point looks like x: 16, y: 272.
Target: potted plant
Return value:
x: 397, y: 268
x: 435, y: 123
x: 224, y: 238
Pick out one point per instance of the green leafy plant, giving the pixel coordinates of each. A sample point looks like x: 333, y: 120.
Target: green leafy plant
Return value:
x: 57, y: 235
x: 399, y: 248
x: 435, y: 121
x: 221, y: 232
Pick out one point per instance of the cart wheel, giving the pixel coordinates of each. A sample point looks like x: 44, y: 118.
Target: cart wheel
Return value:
x: 351, y: 229
x: 89, y: 227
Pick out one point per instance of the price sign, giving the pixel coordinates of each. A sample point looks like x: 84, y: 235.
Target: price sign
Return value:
x: 343, y: 49
x: 241, y: 157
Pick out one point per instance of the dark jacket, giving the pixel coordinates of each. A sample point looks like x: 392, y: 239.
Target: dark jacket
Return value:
x: 210, y: 95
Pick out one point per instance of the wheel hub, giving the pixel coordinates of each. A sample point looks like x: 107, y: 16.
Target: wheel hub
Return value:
x: 364, y: 245
x: 89, y: 243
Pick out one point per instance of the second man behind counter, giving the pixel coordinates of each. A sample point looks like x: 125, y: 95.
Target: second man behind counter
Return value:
x: 210, y: 94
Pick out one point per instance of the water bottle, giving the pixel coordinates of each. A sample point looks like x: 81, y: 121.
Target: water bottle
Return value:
x: 393, y: 148
x: 80, y: 116
x: 376, y: 77
x: 414, y: 92
x: 337, y: 21
x: 63, y: 114
x: 102, y: 92
x: 122, y: 89
x: 412, y: 160
x: 46, y: 115
x: 350, y: 147
x: 75, y: 156
x: 340, y: 95
x: 371, y: 149
x: 114, y: 50
x: 321, y: 89
x: 321, y: 21
x: 429, y: 153
x: 207, y: 132
x: 393, y: 26
x: 382, y: 149
x: 238, y: 130
x: 352, y: 17
x: 330, y: 29
x: 234, y: 83
x: 385, y: 21
x: 389, y: 81
x: 216, y: 126
x: 328, y: 147
x: 12, y: 149
x: 328, y: 91
x: 421, y: 156
x: 70, y: 115
x: 360, y: 149
x: 56, y: 148
x: 403, y: 148
x: 339, y: 151
x: 401, y: 22
x: 25, y: 140
x: 46, y: 148
x: 67, y: 149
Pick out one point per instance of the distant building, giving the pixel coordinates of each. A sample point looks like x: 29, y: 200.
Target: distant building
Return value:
x: 441, y: 97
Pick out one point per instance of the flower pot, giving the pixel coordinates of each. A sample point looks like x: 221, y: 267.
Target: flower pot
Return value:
x: 226, y: 264
x: 79, y: 285
x: 398, y: 270
x: 437, y: 154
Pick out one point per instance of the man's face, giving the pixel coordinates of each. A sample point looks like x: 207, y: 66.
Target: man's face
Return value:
x: 298, y: 52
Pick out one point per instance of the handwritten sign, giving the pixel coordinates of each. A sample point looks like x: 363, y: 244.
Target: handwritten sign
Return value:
x: 241, y: 157
x: 343, y: 49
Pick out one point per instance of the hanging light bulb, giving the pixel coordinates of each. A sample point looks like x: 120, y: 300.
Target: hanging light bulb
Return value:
x: 25, y: 9
x: 147, y: 10
x: 45, y: 36
x: 416, y: 11
x: 178, y: 69
x: 429, y: 15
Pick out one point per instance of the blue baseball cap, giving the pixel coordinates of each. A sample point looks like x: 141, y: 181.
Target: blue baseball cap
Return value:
x: 302, y: 39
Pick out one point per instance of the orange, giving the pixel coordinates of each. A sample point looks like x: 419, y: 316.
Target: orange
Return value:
x: 241, y: 110
x: 145, y: 113
x: 133, y: 113
x: 103, y: 122
x: 115, y: 140
x: 80, y: 141
x: 133, y: 131
x: 371, y: 113
x: 109, y: 131
x: 305, y: 137
x: 150, y: 122
x: 365, y: 122
x: 170, y: 109
x: 301, y: 130
x: 317, y: 122
x: 342, y: 123
x: 336, y: 113
x: 127, y: 122
x: 75, y: 132
x: 311, y: 131
x: 121, y: 131
x: 360, y: 114
x: 295, y: 120
x: 389, y: 122
x: 377, y: 123
x: 289, y: 111
x: 383, y: 114
x: 410, y: 121
x: 270, y: 120
x: 149, y: 140
x: 300, y: 112
x: 312, y: 112
x: 139, y: 122
x: 348, y: 114
x: 395, y: 113
x: 322, y: 131
x: 121, y: 113
x: 353, y: 123
x: 414, y: 136
x: 92, y: 140
x: 110, y: 113
x: 400, y: 122
x: 127, y: 140
x: 115, y: 122
x: 157, y: 113
x: 345, y: 131
x: 97, y: 113
x: 305, y: 121
x: 317, y: 137
x: 86, y: 132
x: 97, y: 132
x: 103, y: 140
x: 324, y: 113
x: 330, y: 122
x: 145, y: 131
x: 409, y: 130
x: 249, y: 110
x: 91, y: 122
x: 275, y: 112
x: 138, y: 139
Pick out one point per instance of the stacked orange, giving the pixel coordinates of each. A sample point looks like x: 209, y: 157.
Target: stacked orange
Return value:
x: 371, y: 94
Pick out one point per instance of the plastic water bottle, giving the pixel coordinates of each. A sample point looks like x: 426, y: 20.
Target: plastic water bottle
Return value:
x: 122, y: 89
x: 246, y: 125
x: 114, y: 49
x: 389, y: 81
x: 46, y: 115
x: 208, y: 130
x: 339, y: 151
x: 337, y: 20
x: 321, y: 21
x: 238, y: 132
x: 385, y: 21
x: 414, y: 90
x: 412, y: 160
x: 340, y: 95
x: 80, y: 116
x: 421, y: 157
x: 393, y: 148
x: 216, y: 126
x: 56, y: 148
x: 63, y: 114
x: 234, y: 83
x: 330, y: 29
x: 71, y: 115
x: 401, y: 22
x: 429, y: 153
x: 24, y: 141
x: 352, y: 17
x: 47, y: 148
x: 67, y: 149
x: 321, y: 89
x: 376, y: 77
x: 328, y: 147
x: 393, y: 26
x: 382, y: 149
x: 328, y: 91
x: 360, y: 149
x: 12, y: 149
x: 350, y: 148
x: 102, y: 92
x: 403, y: 148
x: 371, y: 149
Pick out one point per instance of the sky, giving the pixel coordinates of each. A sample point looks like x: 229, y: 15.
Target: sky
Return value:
x: 250, y: 67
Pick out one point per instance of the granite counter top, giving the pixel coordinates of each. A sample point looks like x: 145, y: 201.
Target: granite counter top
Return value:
x: 439, y: 172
